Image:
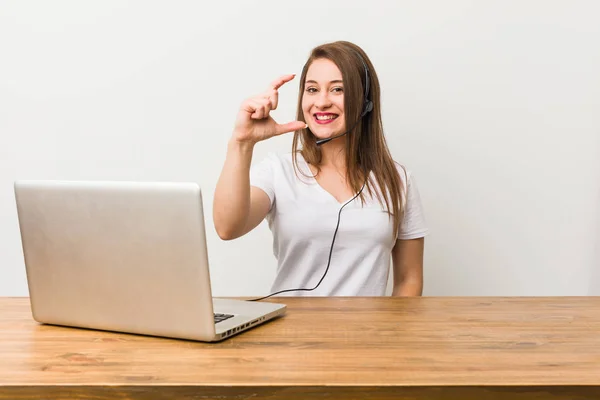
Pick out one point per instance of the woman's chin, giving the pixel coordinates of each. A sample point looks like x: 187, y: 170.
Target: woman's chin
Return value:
x: 326, y: 134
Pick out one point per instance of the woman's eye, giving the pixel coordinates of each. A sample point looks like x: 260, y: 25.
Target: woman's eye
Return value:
x: 311, y: 90
x: 338, y: 89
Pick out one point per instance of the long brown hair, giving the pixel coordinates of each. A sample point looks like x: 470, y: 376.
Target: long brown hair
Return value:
x: 366, y: 150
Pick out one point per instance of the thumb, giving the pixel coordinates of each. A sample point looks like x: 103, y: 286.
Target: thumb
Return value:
x: 290, y: 127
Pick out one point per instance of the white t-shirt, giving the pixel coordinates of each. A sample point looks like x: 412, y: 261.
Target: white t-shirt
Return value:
x: 303, y: 217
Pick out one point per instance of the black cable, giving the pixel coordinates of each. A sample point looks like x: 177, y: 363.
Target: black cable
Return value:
x: 330, y: 253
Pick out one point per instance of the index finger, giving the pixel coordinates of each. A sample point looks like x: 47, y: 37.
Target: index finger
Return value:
x: 277, y: 83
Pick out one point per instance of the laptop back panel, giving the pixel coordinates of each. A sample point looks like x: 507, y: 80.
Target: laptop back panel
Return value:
x: 120, y: 256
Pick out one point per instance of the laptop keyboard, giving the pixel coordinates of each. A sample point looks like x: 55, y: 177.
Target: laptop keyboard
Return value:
x: 222, y: 317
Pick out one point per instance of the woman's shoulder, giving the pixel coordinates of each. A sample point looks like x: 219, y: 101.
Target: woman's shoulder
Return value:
x: 277, y: 159
x: 284, y: 159
x: 284, y: 163
x: 404, y: 172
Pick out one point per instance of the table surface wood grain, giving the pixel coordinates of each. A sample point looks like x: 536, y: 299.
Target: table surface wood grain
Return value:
x: 425, y: 347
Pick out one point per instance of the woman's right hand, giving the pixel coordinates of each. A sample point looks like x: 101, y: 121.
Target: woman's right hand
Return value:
x: 254, y: 123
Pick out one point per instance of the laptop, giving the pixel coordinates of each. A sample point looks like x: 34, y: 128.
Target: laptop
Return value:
x: 125, y: 257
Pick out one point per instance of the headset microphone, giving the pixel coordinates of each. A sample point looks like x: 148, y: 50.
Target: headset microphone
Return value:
x: 367, y: 108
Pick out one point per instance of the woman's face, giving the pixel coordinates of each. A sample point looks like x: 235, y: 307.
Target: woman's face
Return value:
x: 323, y: 99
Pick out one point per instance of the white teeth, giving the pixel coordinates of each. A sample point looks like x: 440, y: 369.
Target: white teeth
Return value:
x: 325, y: 117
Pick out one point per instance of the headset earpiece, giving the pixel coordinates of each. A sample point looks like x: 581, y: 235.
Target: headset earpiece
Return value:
x: 368, y: 108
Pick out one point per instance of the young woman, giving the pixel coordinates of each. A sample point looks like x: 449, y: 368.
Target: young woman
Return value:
x: 338, y: 205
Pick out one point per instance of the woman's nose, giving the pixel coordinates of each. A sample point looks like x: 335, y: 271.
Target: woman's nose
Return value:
x: 323, y: 100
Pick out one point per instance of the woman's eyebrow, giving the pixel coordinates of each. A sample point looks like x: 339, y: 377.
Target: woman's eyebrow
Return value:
x: 334, y: 81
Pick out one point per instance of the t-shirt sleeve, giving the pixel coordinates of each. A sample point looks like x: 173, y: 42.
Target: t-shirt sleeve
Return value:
x: 262, y: 176
x: 413, y: 224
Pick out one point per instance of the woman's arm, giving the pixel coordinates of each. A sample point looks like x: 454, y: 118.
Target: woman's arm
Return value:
x: 237, y: 207
x: 407, y: 259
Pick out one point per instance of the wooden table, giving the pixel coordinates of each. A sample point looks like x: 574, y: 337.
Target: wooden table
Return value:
x: 344, y: 348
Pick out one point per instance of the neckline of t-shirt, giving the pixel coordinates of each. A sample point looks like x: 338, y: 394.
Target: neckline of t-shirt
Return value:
x: 321, y: 188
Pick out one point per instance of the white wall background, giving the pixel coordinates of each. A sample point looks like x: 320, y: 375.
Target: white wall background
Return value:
x: 494, y: 105
x: 595, y: 273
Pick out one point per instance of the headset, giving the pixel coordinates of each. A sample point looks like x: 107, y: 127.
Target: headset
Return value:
x: 367, y: 108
